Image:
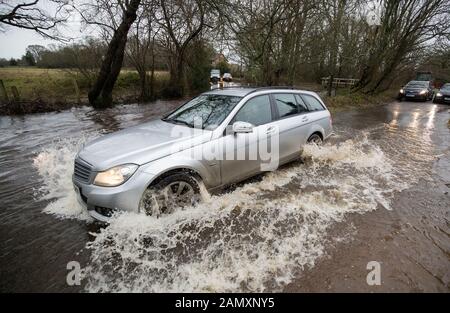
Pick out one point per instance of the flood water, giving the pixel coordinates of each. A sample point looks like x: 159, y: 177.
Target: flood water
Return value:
x: 377, y: 191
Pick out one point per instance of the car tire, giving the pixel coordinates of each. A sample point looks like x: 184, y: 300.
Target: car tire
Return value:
x: 177, y: 190
x: 316, y: 139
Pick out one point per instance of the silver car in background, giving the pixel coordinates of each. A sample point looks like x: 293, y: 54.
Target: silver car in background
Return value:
x: 154, y: 167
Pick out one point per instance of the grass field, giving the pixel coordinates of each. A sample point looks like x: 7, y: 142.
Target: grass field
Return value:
x: 58, y: 85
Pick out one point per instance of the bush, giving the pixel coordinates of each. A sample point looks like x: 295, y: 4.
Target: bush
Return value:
x: 128, y: 79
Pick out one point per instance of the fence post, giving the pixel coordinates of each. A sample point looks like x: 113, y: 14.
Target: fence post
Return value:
x: 77, y: 90
x: 3, y: 94
x: 15, y: 93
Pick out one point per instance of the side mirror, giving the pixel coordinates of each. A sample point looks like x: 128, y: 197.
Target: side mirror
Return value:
x: 242, y: 127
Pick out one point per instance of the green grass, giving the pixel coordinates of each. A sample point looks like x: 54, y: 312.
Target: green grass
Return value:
x: 344, y: 100
x: 57, y: 85
x: 33, y: 83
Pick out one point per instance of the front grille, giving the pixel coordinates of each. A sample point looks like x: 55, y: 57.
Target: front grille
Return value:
x: 82, y: 171
x: 104, y: 211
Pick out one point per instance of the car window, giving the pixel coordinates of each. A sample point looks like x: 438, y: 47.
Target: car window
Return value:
x: 286, y: 104
x: 312, y: 103
x: 302, y: 108
x: 256, y: 111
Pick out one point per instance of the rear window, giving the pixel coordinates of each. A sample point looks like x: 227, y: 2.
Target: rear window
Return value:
x: 302, y: 107
x: 312, y: 103
x: 286, y: 104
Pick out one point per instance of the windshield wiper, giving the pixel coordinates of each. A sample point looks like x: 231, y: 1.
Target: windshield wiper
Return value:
x: 175, y: 121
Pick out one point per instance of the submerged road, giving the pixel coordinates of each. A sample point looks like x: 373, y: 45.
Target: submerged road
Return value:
x: 377, y: 191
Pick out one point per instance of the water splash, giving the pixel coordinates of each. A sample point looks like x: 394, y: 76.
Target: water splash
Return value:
x: 55, y: 166
x: 255, y: 238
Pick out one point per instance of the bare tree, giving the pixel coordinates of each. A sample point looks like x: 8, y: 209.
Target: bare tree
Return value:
x: 141, y: 48
x: 113, y: 59
x: 406, y: 26
x: 181, y: 23
x: 36, y: 51
x: 33, y: 16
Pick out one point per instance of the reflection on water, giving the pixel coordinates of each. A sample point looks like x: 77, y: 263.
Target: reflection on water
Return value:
x: 257, y: 237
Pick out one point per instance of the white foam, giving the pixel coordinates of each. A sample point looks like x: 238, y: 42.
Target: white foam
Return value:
x: 55, y: 166
x: 255, y: 238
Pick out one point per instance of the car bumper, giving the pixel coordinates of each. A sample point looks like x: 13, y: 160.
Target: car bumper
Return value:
x: 445, y: 100
x: 101, y: 202
x: 413, y: 96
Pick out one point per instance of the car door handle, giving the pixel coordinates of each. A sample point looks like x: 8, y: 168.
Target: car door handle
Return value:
x: 270, y: 130
x: 305, y: 119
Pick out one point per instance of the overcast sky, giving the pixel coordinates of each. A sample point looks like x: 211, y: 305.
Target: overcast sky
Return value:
x: 14, y: 41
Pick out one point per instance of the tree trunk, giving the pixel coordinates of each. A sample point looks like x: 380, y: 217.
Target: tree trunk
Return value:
x: 144, y: 87
x: 112, y: 62
x: 177, y: 83
x: 335, y: 43
x: 152, y: 75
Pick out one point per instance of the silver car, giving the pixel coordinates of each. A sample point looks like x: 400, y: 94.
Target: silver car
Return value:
x: 218, y: 138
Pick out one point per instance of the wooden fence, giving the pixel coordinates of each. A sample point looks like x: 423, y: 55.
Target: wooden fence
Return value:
x: 340, y: 82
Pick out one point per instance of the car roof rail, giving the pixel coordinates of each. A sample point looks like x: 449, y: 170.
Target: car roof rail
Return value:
x: 271, y: 87
x: 255, y: 88
x: 233, y: 87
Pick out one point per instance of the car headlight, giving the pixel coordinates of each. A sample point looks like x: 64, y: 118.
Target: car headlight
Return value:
x: 439, y: 95
x: 115, y: 176
x: 402, y: 91
x: 423, y: 92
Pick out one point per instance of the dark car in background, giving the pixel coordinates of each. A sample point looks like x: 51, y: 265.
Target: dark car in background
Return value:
x: 416, y: 90
x: 443, y: 95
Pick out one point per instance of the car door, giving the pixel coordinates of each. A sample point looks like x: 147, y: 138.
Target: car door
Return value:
x: 317, y: 115
x: 292, y: 122
x: 241, y: 155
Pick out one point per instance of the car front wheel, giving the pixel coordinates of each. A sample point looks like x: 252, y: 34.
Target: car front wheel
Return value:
x: 174, y: 191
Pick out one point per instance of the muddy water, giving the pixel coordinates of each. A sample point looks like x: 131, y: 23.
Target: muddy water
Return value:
x: 375, y: 192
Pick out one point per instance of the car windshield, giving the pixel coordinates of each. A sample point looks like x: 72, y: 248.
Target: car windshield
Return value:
x: 205, y: 111
x: 446, y: 87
